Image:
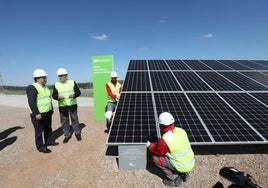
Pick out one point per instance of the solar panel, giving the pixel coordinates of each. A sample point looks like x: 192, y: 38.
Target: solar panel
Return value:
x: 258, y: 77
x: 218, y: 82
x: 164, y: 81
x: 251, y: 64
x: 222, y: 122
x: 181, y: 109
x: 134, y: 119
x: 215, y: 65
x: 191, y: 82
x: 234, y: 65
x: 243, y: 81
x: 215, y: 101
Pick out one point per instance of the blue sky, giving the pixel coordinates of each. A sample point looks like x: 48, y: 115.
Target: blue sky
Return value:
x: 50, y: 34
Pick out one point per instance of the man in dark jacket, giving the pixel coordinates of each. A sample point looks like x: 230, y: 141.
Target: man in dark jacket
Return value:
x: 41, y: 110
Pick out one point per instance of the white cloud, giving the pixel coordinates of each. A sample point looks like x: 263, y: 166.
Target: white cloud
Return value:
x: 208, y: 35
x: 162, y: 21
x: 100, y: 37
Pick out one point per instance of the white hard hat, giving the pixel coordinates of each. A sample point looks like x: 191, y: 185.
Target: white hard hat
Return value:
x: 165, y: 118
x: 62, y: 71
x: 39, y: 73
x: 108, y: 115
x: 113, y: 74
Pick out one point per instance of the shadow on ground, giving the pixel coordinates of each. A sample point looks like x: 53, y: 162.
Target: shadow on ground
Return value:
x: 58, y: 132
x: 8, y: 141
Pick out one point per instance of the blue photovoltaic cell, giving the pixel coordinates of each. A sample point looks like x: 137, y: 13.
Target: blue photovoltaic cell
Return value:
x: 262, y: 62
x: 137, y: 65
x: 218, y: 82
x: 157, y: 65
x: 253, y: 111
x: 196, y: 65
x: 177, y: 65
x: 191, y: 82
x: 259, y: 77
x: 164, y: 81
x: 134, y: 119
x: 215, y: 65
x: 178, y: 105
x: 234, y: 65
x: 263, y: 97
x: 251, y: 64
x: 222, y: 122
x: 137, y: 81
x: 243, y: 81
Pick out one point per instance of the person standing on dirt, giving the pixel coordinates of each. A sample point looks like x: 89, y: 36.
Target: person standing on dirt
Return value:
x: 66, y: 91
x: 41, y: 110
x: 172, y: 153
x: 113, y: 89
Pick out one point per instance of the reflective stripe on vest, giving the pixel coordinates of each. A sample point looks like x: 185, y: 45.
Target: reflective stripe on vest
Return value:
x: 115, y: 90
x: 43, y: 99
x: 181, y: 155
x: 66, y: 89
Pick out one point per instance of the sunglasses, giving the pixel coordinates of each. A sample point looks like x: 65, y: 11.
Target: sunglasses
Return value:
x: 62, y: 75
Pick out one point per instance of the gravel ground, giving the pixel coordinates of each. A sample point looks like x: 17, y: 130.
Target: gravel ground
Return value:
x: 90, y: 163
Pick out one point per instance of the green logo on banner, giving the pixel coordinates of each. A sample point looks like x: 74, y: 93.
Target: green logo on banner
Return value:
x: 101, y: 69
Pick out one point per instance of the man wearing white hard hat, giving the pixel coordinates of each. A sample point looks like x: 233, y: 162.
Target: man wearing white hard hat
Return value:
x: 66, y: 91
x: 41, y: 110
x: 113, y: 89
x: 172, y: 153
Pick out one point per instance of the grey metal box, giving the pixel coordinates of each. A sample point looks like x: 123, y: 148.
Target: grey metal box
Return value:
x: 132, y: 156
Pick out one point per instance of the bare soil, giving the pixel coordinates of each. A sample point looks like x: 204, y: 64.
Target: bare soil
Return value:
x: 90, y: 163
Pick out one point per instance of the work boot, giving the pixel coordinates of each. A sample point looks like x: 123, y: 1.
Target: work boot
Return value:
x: 66, y: 139
x: 185, y: 176
x: 78, y: 137
x: 172, y: 183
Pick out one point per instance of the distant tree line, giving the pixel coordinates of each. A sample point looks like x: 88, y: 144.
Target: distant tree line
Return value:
x: 85, y: 85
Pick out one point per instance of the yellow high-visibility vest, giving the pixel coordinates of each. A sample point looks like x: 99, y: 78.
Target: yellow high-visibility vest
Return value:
x: 43, y: 100
x: 115, y: 90
x: 181, y: 154
x: 65, y: 90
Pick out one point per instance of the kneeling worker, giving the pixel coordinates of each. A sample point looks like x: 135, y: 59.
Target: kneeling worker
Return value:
x: 172, y: 153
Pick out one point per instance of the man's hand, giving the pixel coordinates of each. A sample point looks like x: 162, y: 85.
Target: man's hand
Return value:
x: 38, y: 116
x: 71, y: 96
x: 148, y: 143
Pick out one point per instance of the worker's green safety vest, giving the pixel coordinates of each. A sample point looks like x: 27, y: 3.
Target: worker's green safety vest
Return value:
x: 66, y: 89
x: 115, y: 90
x: 43, y: 99
x: 181, y: 154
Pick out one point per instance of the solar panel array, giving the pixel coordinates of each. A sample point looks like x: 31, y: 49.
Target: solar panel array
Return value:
x: 215, y: 101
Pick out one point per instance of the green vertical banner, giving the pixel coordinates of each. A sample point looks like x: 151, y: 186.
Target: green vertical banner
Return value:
x: 101, y: 69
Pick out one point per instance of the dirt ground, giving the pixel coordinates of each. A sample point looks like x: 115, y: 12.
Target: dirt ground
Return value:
x: 90, y: 163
